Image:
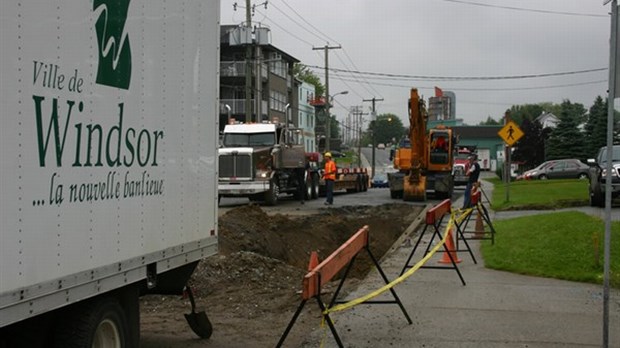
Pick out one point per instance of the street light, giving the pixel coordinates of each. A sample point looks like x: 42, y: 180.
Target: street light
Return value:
x: 328, y: 131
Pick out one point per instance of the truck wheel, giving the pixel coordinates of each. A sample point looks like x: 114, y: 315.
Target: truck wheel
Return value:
x: 315, y: 186
x: 100, y: 323
x: 271, y: 196
x: 309, y: 187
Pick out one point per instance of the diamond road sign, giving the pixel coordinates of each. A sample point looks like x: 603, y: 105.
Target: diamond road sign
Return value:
x: 510, y: 133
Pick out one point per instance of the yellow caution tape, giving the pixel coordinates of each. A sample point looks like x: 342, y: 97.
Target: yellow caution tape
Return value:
x: 405, y: 275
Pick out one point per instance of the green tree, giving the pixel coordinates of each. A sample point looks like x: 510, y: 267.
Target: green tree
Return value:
x: 566, y: 141
x: 596, y: 126
x: 490, y: 122
x: 530, y: 149
x: 518, y: 113
x: 386, y: 127
x: 304, y: 73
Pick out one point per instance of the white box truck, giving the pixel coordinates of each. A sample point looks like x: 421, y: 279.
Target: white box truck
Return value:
x: 108, y: 167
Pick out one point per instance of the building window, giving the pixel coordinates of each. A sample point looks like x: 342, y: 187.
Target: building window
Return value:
x: 278, y: 101
x: 278, y: 66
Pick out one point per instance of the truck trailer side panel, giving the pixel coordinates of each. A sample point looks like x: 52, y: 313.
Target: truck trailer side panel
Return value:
x: 108, y: 146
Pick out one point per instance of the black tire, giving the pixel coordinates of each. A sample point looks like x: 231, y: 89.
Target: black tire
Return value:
x: 582, y: 176
x: 315, y: 186
x: 98, y: 323
x: 271, y: 196
x: 308, y: 187
x: 395, y: 194
x: 542, y: 177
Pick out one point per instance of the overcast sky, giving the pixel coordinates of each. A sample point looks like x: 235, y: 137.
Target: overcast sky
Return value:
x: 389, y: 46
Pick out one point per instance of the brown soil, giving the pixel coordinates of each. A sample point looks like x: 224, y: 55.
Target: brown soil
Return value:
x: 251, y: 289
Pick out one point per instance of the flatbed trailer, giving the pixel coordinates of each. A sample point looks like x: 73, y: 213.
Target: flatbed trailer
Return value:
x: 348, y: 179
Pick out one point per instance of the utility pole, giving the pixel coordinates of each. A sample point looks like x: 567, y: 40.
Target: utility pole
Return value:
x: 507, y: 170
x: 357, y: 130
x: 372, y: 129
x: 248, y: 65
x: 328, y: 130
x: 614, y: 92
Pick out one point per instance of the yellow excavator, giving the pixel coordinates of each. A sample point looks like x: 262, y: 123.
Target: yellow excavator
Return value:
x: 424, y: 159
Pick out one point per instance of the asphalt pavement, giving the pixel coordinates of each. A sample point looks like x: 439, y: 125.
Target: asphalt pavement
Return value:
x: 493, y: 309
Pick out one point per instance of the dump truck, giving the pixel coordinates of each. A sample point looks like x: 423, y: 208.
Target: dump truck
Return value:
x: 424, y: 158
x: 109, y: 162
x: 262, y: 161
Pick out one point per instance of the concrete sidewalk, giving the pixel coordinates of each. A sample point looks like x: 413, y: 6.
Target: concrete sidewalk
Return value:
x: 493, y: 309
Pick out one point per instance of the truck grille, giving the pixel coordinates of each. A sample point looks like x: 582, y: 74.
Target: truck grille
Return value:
x: 236, y: 166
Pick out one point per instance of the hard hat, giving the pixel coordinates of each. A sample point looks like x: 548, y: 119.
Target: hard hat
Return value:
x: 328, y: 154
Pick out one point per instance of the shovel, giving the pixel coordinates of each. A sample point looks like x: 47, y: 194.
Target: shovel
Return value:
x: 198, y: 321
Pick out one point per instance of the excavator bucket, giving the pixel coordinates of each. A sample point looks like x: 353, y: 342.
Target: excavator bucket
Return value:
x: 414, y: 190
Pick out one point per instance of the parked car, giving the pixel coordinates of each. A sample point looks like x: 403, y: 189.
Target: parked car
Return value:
x: 557, y: 169
x: 379, y: 180
x: 597, y: 175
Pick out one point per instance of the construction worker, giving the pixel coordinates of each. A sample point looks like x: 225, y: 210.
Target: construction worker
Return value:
x: 439, y: 144
x: 329, y: 175
x: 474, y: 173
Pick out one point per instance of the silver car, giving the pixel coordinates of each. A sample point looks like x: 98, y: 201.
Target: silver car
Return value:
x: 558, y: 169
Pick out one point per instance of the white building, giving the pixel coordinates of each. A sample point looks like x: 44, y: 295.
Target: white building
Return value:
x: 306, y: 117
x: 548, y: 120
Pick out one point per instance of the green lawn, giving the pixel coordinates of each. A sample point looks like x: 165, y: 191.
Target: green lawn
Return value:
x: 563, y: 245
x: 539, y: 194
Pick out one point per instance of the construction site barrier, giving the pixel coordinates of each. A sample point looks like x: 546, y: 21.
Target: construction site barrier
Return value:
x: 319, y: 274
x: 322, y: 273
x: 480, y: 215
x: 433, y: 220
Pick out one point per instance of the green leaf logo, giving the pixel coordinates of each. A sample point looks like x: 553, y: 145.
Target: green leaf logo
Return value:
x: 114, y: 51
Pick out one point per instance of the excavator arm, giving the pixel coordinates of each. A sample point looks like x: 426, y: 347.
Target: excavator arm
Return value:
x: 415, y: 180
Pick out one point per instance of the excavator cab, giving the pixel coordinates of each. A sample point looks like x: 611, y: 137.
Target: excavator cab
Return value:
x: 440, y: 149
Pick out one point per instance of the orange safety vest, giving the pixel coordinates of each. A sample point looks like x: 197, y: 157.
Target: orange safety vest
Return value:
x: 330, y: 170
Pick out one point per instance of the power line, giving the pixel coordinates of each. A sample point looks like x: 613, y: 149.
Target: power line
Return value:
x: 494, y: 89
x: 294, y: 21
x: 363, y: 84
x: 324, y: 36
x: 355, y: 66
x: 285, y: 30
x: 527, y: 9
x: 310, y: 24
x: 462, y: 78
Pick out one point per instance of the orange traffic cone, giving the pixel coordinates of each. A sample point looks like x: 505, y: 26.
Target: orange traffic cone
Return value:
x: 314, y: 261
x: 479, y: 226
x: 445, y: 258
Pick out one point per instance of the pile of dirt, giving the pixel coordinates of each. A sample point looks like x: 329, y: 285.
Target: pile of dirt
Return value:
x: 250, y: 289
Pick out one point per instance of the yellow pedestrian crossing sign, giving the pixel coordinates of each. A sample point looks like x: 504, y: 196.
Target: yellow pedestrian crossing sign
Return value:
x: 510, y: 133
